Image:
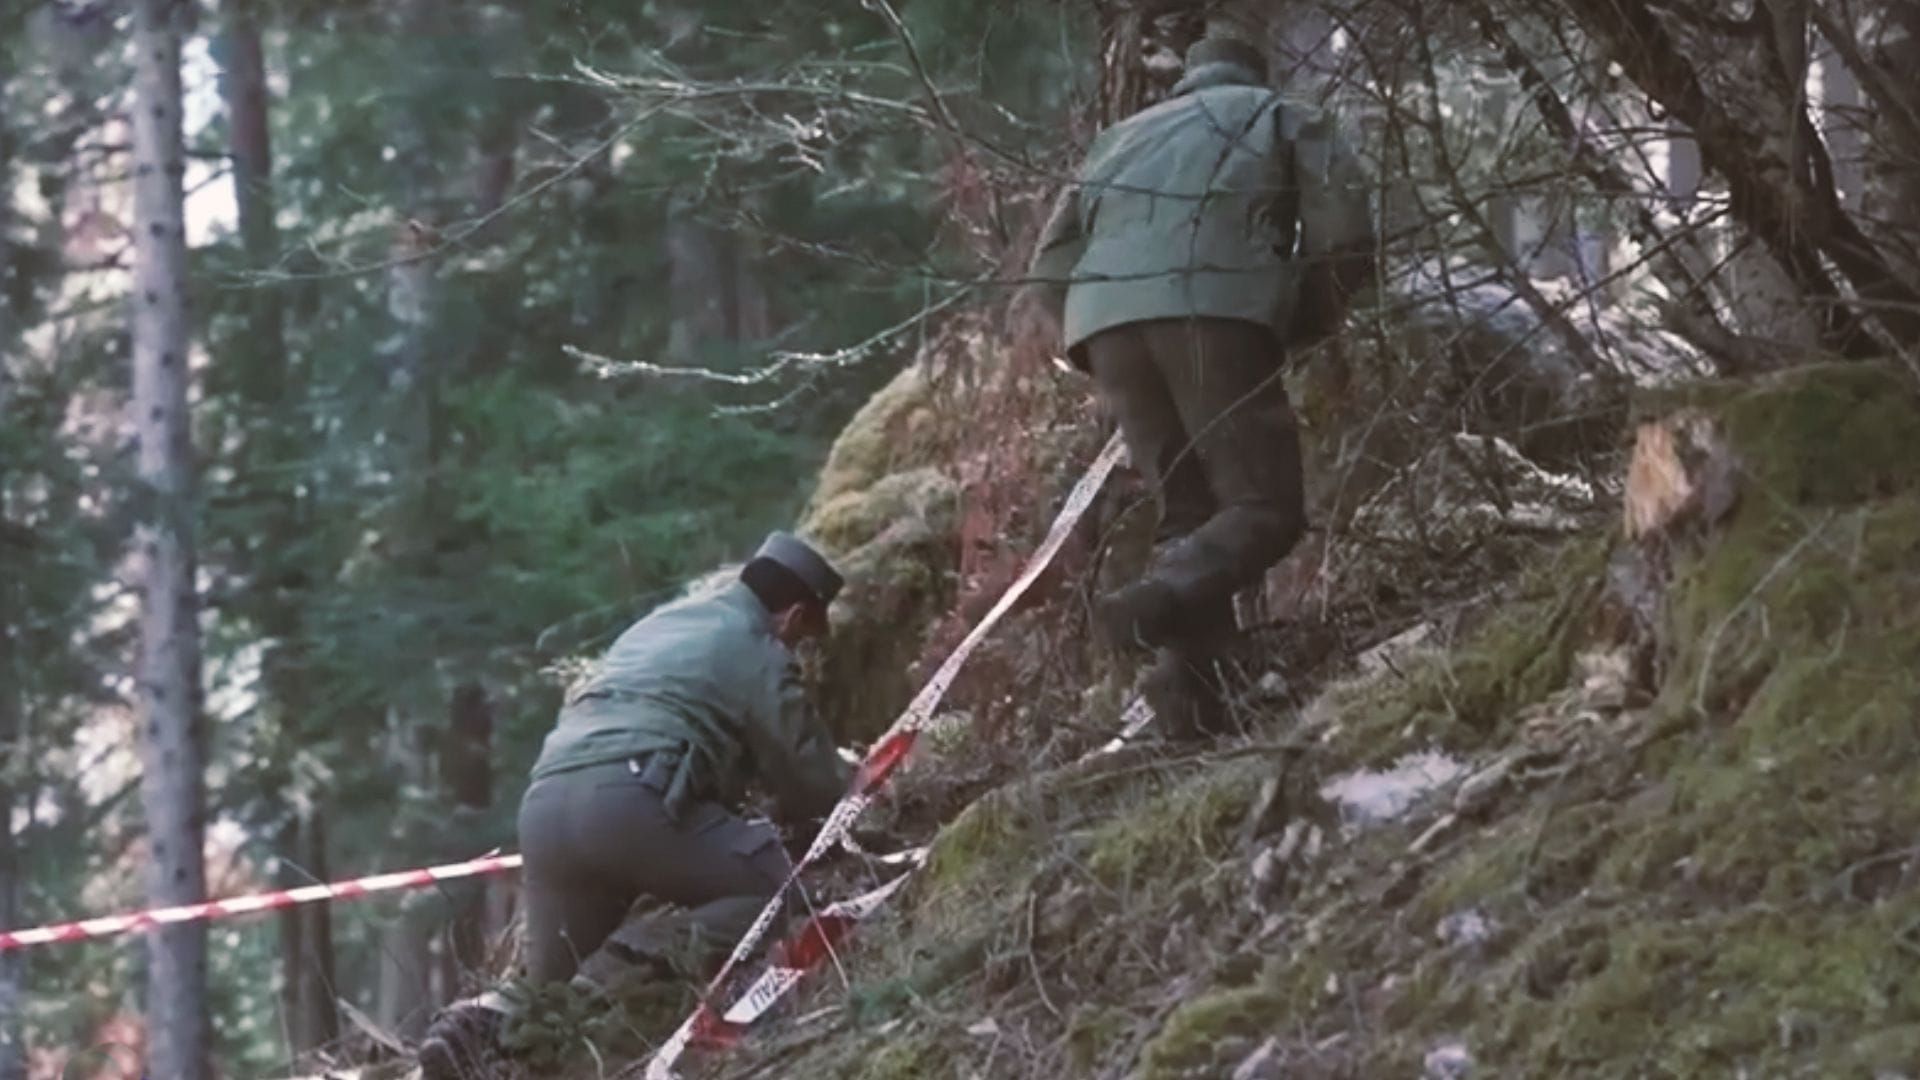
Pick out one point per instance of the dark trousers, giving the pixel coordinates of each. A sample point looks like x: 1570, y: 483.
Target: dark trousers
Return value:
x: 1205, y: 417
x: 595, y: 840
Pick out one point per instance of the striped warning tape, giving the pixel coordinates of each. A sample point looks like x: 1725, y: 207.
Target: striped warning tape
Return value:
x: 793, y: 957
x: 773, y: 983
x: 833, y: 925
x: 818, y: 937
x: 245, y: 905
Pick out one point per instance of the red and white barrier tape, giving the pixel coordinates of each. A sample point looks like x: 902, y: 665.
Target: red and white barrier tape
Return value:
x: 817, y: 938
x: 831, y: 927
x: 804, y: 949
x: 244, y: 905
x: 800, y: 953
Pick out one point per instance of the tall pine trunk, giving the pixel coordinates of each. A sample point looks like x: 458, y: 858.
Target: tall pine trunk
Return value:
x: 466, y: 772
x: 262, y: 378
x: 168, y: 677
x: 12, y: 1053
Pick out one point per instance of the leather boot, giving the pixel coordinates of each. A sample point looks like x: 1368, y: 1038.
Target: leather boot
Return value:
x: 1139, y: 617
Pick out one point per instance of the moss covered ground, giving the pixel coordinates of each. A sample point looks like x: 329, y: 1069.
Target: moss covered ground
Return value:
x: 1704, y: 866
x: 1712, y: 874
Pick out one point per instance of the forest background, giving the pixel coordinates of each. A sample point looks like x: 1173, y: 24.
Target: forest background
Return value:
x: 500, y: 322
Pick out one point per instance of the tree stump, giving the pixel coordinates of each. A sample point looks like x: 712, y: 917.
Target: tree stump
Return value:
x: 1682, y: 480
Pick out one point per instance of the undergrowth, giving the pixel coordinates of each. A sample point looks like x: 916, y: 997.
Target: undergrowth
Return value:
x: 1712, y: 875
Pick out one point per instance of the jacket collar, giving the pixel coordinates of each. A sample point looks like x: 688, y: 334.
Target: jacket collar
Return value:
x: 1218, y: 73
x: 740, y: 596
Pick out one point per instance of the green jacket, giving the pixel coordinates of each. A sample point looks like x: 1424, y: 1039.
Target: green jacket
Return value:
x: 704, y: 676
x: 1187, y: 208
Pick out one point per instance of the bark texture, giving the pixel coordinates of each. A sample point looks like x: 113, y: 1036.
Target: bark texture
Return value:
x: 12, y: 1053
x: 466, y: 771
x: 1747, y: 109
x: 260, y: 369
x: 715, y: 298
x: 168, y: 677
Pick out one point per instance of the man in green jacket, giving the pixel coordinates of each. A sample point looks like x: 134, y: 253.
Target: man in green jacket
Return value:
x: 1205, y: 236
x: 634, y: 791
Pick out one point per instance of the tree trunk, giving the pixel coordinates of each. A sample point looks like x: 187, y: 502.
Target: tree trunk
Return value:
x: 245, y: 87
x: 404, y: 996
x: 714, y: 296
x: 12, y: 1054
x: 466, y: 771
x: 12, y: 1051
x: 1141, y: 42
x: 1892, y: 178
x: 307, y: 986
x: 168, y: 679
x: 260, y: 369
x: 1749, y: 116
x: 1841, y: 117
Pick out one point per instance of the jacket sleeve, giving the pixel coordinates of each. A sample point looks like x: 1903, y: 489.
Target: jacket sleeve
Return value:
x: 1337, y: 242
x: 792, y: 749
x: 1056, y: 255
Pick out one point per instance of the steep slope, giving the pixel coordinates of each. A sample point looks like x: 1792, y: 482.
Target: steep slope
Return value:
x: 1614, y: 807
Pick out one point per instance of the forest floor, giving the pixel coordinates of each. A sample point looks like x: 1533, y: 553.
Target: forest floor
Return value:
x: 1562, y: 798
x: 1634, y: 807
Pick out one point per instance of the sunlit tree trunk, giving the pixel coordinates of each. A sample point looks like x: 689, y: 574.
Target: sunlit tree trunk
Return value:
x: 168, y: 695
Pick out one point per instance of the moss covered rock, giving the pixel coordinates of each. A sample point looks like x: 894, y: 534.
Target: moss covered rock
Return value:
x: 897, y: 430
x: 886, y: 516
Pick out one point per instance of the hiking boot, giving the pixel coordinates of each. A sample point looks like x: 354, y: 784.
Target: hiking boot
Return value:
x: 1140, y: 617
x: 1186, y: 695
x: 463, y: 1041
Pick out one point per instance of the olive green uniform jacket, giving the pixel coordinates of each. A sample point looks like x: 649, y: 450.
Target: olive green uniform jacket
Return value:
x: 705, y: 677
x: 1186, y: 209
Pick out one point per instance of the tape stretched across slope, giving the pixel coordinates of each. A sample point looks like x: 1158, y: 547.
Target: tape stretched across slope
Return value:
x: 820, y: 934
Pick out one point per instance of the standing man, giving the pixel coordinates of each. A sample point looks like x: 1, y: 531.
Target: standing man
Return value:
x: 634, y: 791
x: 1205, y: 236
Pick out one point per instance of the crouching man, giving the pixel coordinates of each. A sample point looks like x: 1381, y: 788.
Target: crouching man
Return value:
x: 635, y: 790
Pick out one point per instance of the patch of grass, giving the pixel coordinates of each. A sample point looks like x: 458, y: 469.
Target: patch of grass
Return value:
x: 1682, y: 997
x: 1092, y: 1033
x: 1467, y: 696
x: 904, y: 1055
x: 1169, y: 837
x: 1189, y: 1038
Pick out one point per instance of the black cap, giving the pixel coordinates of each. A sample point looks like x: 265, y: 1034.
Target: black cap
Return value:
x: 806, y: 564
